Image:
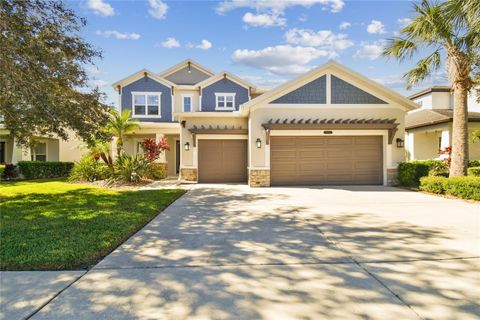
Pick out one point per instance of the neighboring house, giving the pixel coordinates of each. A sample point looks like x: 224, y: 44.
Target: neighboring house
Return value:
x: 46, y: 149
x: 329, y: 126
x: 429, y: 128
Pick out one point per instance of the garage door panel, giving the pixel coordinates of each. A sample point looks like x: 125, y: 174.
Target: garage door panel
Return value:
x: 326, y: 160
x: 222, y: 160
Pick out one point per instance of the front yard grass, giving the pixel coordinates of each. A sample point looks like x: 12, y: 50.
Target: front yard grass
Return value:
x: 55, y: 225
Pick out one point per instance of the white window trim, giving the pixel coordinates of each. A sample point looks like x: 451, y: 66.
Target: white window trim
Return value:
x: 34, y: 153
x: 225, y: 94
x: 159, y: 94
x: 183, y: 102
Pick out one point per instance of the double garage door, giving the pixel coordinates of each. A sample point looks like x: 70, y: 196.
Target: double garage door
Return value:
x: 298, y: 160
x: 326, y: 160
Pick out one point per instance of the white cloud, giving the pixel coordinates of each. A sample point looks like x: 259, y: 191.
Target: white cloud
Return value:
x: 263, y: 19
x: 344, y: 25
x: 325, y: 39
x: 170, y: 43
x: 277, y: 6
x: 403, y: 22
x: 376, y: 27
x: 282, y: 59
x: 99, y: 83
x: 158, y: 9
x: 369, y: 51
x: 118, y: 35
x: 265, y: 81
x: 101, y: 8
x: 303, y: 17
x: 204, y: 45
x: 92, y: 70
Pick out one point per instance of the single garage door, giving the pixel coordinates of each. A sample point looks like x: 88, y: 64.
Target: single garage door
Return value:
x: 222, y: 160
x: 326, y: 160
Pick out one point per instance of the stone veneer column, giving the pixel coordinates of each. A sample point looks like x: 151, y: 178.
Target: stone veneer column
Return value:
x: 188, y: 174
x: 259, y: 178
x: 392, y: 176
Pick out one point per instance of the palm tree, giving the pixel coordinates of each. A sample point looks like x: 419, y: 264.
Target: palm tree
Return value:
x: 454, y: 38
x: 121, y: 124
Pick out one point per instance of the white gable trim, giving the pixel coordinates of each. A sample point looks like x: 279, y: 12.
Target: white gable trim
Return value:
x: 341, y: 72
x: 228, y: 75
x: 140, y: 74
x: 182, y: 65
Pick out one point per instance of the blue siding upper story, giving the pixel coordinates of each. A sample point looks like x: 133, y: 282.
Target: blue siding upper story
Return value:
x: 314, y: 92
x: 346, y: 93
x: 223, y: 86
x: 146, y: 84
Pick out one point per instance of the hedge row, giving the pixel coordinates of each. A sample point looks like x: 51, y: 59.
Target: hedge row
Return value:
x: 410, y: 173
x: 474, y: 171
x: 44, y: 169
x: 462, y: 187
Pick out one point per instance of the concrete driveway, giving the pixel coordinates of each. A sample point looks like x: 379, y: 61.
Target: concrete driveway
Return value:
x: 231, y: 252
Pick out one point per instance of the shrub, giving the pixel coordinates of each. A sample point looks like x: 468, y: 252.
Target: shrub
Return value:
x: 474, y: 163
x: 89, y: 169
x: 409, y: 173
x: 462, y: 187
x: 128, y: 168
x: 439, y: 169
x: 9, y: 172
x: 474, y: 171
x: 2, y: 167
x: 433, y: 184
x: 156, y: 171
x: 44, y: 169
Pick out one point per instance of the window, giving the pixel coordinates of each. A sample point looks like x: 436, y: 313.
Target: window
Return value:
x: 187, y: 103
x: 40, y: 152
x: 146, y: 104
x: 225, y: 101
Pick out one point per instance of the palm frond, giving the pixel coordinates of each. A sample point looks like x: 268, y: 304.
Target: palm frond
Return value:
x: 423, y: 69
x: 400, y: 48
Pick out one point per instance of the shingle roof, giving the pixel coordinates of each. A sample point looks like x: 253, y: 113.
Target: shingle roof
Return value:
x: 424, y: 118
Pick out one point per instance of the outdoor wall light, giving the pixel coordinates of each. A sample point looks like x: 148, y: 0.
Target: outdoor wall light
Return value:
x: 187, y: 146
x: 189, y: 68
x: 259, y: 143
x: 400, y: 143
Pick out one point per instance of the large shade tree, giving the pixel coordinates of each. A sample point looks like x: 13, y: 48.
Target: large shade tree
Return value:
x: 43, y: 82
x: 451, y: 31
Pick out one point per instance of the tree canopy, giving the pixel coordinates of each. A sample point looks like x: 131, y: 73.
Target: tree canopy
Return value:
x: 43, y: 82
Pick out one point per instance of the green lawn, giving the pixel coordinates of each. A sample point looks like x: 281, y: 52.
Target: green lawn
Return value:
x: 55, y: 225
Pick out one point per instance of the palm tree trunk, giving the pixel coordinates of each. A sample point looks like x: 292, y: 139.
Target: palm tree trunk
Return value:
x: 459, y: 163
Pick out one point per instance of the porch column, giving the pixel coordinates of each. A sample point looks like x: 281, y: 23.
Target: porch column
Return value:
x: 19, y: 153
x: 163, y: 155
x: 445, y: 141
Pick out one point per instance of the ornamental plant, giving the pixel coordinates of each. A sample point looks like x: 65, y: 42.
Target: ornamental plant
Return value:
x: 153, y: 150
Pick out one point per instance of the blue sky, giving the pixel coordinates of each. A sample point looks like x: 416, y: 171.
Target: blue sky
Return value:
x: 265, y: 42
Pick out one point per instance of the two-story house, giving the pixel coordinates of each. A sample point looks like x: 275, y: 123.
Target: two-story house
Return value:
x: 429, y: 128
x: 328, y: 126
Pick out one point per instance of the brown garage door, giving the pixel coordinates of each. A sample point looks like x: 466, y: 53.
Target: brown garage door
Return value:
x: 326, y: 160
x: 222, y: 160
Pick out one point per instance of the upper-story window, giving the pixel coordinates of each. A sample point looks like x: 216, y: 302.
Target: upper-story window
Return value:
x: 146, y: 104
x: 187, y: 103
x: 224, y: 101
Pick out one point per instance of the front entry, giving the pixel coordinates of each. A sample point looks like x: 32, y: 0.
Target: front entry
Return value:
x: 177, y: 156
x: 340, y: 160
x: 222, y: 160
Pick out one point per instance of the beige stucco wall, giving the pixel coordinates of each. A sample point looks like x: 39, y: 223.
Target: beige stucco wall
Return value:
x: 259, y: 158
x: 422, y: 143
x: 178, y: 99
x: 189, y: 158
